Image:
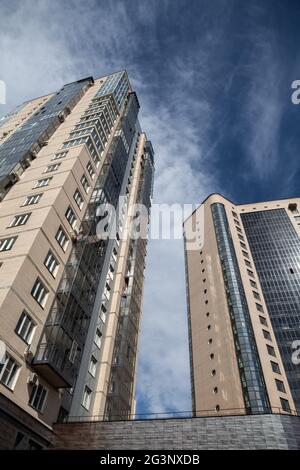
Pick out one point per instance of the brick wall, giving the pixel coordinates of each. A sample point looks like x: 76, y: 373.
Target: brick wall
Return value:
x: 230, y: 432
x: 20, y: 430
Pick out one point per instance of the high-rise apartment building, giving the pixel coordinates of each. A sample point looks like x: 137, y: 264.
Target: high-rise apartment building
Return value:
x: 243, y: 289
x: 70, y: 300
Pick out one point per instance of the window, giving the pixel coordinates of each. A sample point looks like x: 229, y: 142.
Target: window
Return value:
x: 243, y: 245
x: 208, y: 327
x: 38, y: 397
x: 114, y: 254
x: 106, y: 292
x: 32, y: 445
x: 263, y: 321
x: 111, y: 272
x: 217, y: 408
x: 271, y: 350
x: 241, y: 237
x: 9, y: 372
x: 20, y: 220
x: 25, y: 327
x: 245, y: 253
x: 73, y: 351
x: 267, y: 335
x: 213, y: 372
x: 90, y: 170
x: 239, y: 230
x: 212, y: 356
x: 40, y: 293
x: 280, y: 386
x: 235, y: 214
x: 52, y: 167
x: 51, y: 263
x: 216, y: 390
x: 250, y: 273
x: 275, y: 367
x: 285, y: 405
x: 78, y: 198
x: 71, y: 217
x: 96, y: 160
x: 85, y: 183
x: 7, y: 243
x: 43, y: 182
x: 34, y: 199
x: 62, y: 238
x: 256, y: 295
x: 253, y: 284
x: 93, y: 366
x: 247, y: 263
x: 60, y: 155
x: 98, y: 338
x: 103, y: 313
x: 86, y: 400
x: 62, y: 415
x: 259, y: 307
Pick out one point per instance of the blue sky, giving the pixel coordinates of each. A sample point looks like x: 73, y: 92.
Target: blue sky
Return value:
x: 214, y: 83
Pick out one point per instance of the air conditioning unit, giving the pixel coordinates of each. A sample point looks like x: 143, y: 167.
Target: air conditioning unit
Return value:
x: 28, y: 354
x: 26, y: 162
x: 32, y: 154
x: 33, y: 379
x: 61, y: 117
x: 14, y: 177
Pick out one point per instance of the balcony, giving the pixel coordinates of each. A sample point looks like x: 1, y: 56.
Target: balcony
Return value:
x: 54, y: 366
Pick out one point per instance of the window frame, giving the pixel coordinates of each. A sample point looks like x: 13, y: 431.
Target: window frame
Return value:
x: 48, y: 180
x: 77, y: 194
x: 32, y: 196
x: 64, y: 245
x: 42, y: 302
x: 30, y: 329
x: 8, y: 384
x: 69, y: 209
x: 54, y: 271
x: 87, y: 393
x: 2, y: 242
x: 33, y: 394
x: 15, y: 219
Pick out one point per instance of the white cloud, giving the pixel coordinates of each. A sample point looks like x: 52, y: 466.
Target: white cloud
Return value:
x: 163, y: 378
x: 264, y: 104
